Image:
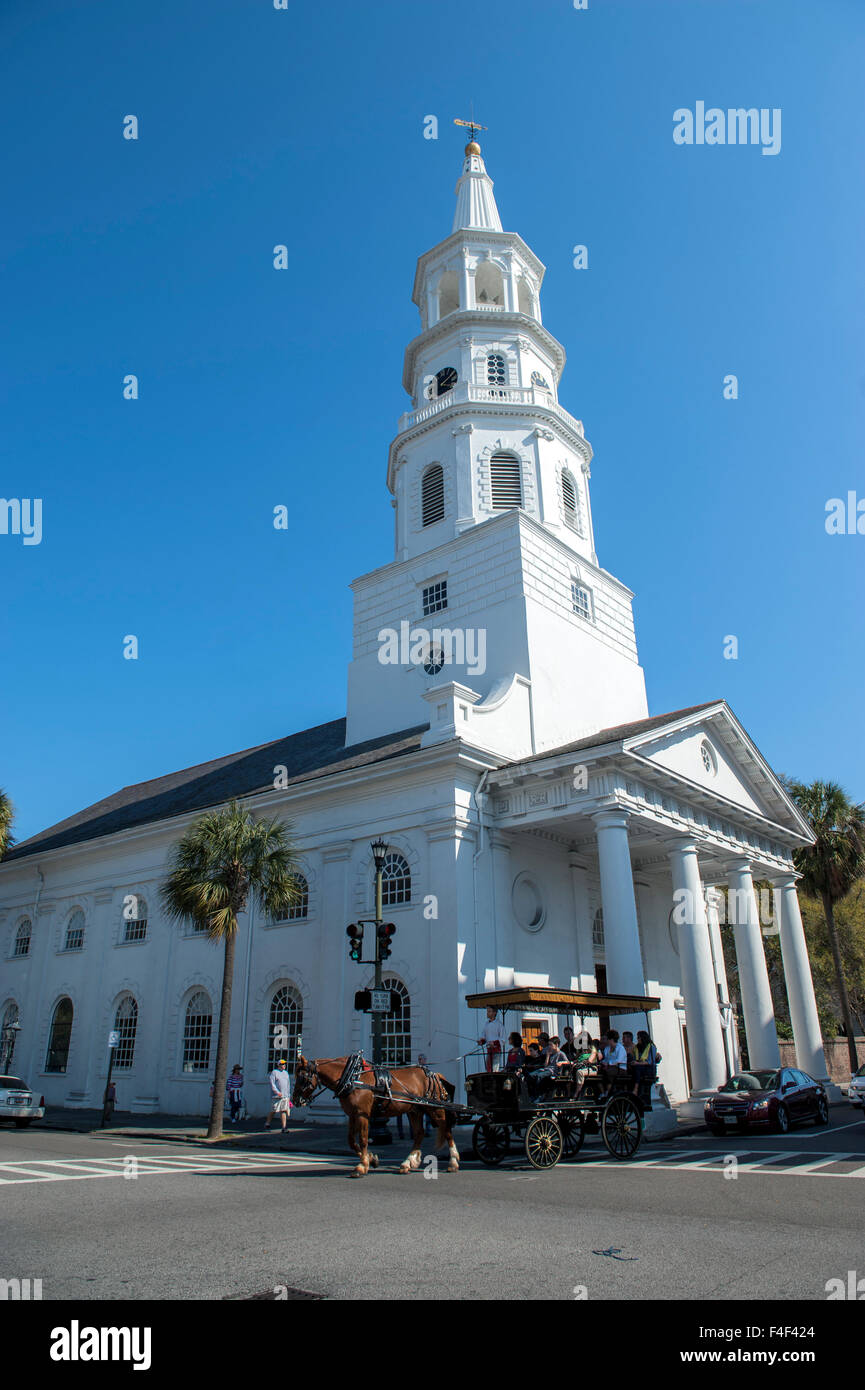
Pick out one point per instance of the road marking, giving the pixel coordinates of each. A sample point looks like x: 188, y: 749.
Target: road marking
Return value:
x: 149, y: 1165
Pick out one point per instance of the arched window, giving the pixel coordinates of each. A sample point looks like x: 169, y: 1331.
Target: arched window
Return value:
x: 496, y: 370
x: 61, y: 1032
x: 396, y: 1025
x: 197, y: 1029
x: 449, y: 293
x: 395, y: 881
x: 22, y: 937
x: 75, y: 931
x: 489, y: 285
x: 7, y: 1044
x: 286, y: 1026
x: 506, y: 481
x: 432, y: 494
x: 524, y: 299
x: 300, y: 908
x: 135, y: 919
x: 598, y: 930
x: 125, y: 1025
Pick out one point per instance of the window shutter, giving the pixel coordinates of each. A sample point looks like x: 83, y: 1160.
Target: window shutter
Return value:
x: 432, y: 495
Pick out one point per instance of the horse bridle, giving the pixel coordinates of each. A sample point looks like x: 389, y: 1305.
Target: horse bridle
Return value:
x: 311, y: 1070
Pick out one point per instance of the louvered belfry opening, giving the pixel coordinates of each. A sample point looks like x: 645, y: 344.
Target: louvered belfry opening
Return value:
x: 506, y: 480
x: 433, y: 495
x: 569, y: 496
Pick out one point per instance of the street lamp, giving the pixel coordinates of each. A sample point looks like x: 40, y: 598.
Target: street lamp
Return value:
x: 380, y: 1132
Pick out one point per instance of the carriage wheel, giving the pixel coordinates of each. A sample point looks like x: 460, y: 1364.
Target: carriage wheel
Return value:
x: 621, y: 1127
x: 544, y: 1142
x: 573, y: 1129
x: 490, y: 1143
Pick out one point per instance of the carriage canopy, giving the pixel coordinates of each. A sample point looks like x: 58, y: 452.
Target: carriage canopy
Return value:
x: 563, y: 1001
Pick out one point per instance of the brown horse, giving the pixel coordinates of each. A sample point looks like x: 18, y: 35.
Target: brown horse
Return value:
x: 358, y: 1103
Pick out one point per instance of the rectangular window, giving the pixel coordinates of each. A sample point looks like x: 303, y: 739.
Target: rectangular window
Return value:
x: 581, y: 599
x: 136, y: 929
x: 435, y: 597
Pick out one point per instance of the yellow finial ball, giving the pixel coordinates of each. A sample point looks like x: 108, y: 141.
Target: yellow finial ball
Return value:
x: 473, y: 147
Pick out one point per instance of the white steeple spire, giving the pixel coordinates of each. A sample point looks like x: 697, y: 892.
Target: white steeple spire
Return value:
x: 476, y: 205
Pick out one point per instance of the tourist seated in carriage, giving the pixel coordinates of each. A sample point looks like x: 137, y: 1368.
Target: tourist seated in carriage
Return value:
x: 614, y: 1064
x: 516, y: 1058
x: 644, y: 1068
x: 534, y: 1061
x: 554, y: 1063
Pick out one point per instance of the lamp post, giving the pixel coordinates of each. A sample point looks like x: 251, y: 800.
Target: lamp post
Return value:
x: 380, y: 1132
x: 7, y: 1041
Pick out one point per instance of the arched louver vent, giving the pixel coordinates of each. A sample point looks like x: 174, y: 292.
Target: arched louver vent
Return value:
x: 432, y: 495
x: 506, y: 480
x: 569, y: 496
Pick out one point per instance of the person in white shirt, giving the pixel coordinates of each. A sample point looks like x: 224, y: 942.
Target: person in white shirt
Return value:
x: 280, y: 1094
x: 615, y: 1060
x: 493, y: 1039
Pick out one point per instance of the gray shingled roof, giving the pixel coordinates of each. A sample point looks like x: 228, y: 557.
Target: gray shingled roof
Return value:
x: 312, y: 753
x: 618, y: 732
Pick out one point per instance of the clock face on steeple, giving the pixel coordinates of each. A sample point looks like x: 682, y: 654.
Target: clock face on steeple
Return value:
x: 445, y: 380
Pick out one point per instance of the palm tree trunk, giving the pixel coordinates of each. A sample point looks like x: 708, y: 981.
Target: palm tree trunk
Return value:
x: 844, y: 998
x: 218, y: 1106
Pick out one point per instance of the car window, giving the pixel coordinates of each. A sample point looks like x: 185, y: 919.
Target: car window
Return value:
x: 13, y: 1083
x: 860, y: 1072
x: 751, y: 1081
x: 803, y: 1078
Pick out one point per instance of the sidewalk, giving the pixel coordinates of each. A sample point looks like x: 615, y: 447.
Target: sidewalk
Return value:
x: 304, y: 1135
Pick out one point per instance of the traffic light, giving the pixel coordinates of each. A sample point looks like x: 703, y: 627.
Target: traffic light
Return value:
x: 386, y: 933
x: 363, y: 1001
x: 355, y: 936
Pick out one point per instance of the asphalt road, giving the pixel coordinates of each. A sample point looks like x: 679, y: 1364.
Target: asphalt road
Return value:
x: 187, y: 1222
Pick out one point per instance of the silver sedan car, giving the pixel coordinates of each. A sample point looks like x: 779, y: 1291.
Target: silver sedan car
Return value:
x: 18, y: 1103
x: 856, y: 1089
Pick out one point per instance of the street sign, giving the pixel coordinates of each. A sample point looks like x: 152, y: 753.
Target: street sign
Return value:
x: 380, y: 1003
x: 113, y: 1038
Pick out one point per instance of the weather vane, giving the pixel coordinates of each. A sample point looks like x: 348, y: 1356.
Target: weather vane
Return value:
x: 472, y: 124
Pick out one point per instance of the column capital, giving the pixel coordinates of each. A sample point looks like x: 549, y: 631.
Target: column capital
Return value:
x: 784, y: 880
x: 741, y: 864
x: 680, y: 844
x: 611, y: 817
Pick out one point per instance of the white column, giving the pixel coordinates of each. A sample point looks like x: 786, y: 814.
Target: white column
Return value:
x: 513, y: 289
x: 503, y: 915
x: 621, y: 933
x: 728, y: 1031
x: 699, y: 989
x: 797, y: 976
x: 467, y: 298
x: 754, y: 988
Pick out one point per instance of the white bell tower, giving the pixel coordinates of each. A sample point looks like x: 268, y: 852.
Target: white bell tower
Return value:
x: 495, y: 622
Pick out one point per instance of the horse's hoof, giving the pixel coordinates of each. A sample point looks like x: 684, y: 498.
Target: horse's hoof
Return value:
x: 373, y: 1160
x: 453, y: 1167
x: 404, y: 1168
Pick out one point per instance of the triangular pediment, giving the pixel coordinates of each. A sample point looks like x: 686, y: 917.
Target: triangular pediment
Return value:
x: 711, y: 749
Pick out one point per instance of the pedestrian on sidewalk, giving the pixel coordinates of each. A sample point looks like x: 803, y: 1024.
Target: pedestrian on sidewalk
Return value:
x: 234, y: 1087
x: 280, y: 1094
x: 110, y: 1102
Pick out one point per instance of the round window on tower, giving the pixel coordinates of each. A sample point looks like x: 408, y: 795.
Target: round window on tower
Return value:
x: 446, y: 380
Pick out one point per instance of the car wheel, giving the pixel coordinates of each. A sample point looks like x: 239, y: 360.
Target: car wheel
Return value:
x: 822, y: 1116
x: 782, y: 1119
x: 21, y: 1124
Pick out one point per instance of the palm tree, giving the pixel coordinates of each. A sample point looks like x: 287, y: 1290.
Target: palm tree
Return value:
x: 223, y: 859
x: 7, y: 812
x: 831, y: 866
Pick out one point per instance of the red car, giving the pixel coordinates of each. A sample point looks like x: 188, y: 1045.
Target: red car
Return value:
x: 776, y: 1099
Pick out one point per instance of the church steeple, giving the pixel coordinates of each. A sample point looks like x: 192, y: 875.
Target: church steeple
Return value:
x: 494, y: 543
x: 476, y: 204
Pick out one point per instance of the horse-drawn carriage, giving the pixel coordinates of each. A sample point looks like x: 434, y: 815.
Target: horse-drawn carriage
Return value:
x: 554, y: 1123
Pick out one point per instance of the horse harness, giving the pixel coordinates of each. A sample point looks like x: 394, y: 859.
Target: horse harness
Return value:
x: 382, y: 1088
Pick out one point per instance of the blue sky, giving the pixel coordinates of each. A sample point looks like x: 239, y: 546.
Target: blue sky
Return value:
x: 305, y: 127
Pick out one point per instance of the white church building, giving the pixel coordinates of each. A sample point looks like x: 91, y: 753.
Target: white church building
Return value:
x: 542, y: 826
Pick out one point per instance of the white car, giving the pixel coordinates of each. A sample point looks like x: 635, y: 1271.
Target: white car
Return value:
x: 856, y: 1089
x: 17, y: 1102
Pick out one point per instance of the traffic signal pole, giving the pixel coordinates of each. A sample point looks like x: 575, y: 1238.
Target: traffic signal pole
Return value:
x: 377, y: 1049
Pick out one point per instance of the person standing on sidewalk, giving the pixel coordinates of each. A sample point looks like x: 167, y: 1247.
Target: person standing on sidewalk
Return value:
x: 280, y: 1094
x: 234, y: 1087
x: 110, y: 1102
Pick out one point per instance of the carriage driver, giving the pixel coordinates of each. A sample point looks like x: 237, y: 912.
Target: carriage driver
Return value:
x: 493, y: 1039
